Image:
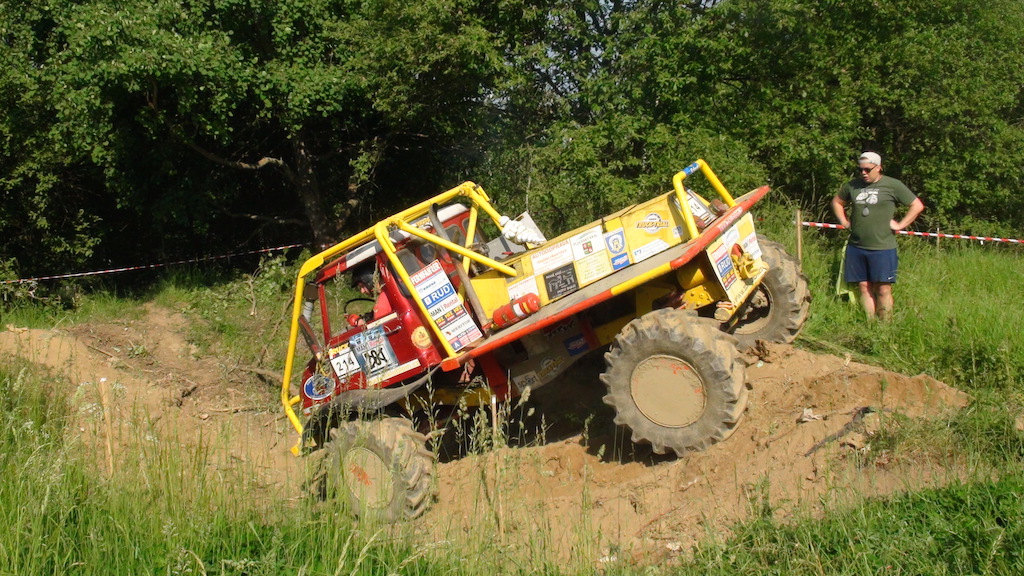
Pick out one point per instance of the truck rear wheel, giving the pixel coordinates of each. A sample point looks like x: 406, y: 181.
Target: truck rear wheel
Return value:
x: 778, y: 309
x: 381, y: 468
x: 675, y: 380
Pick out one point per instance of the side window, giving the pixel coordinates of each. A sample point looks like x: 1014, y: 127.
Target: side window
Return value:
x: 409, y: 261
x: 456, y: 234
x: 428, y: 253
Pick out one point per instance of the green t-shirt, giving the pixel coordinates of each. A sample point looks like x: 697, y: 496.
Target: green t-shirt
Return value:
x: 872, y: 206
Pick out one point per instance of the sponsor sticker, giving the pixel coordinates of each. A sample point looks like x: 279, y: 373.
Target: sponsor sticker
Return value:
x: 653, y: 223
x: 561, y: 281
x: 444, y: 306
x: 318, y: 387
x: 373, y: 351
x: 549, y: 366
x: 616, y: 241
x: 593, y: 268
x: 527, y: 380
x: 586, y: 243
x: 650, y: 249
x: 576, y: 345
x: 523, y: 287
x: 551, y: 257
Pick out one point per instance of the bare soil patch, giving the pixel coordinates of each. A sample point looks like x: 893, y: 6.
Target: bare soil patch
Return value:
x: 578, y: 489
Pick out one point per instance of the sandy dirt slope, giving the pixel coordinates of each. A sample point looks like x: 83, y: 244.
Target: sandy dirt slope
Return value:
x: 580, y: 488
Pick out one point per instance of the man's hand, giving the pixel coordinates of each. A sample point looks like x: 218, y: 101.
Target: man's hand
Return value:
x: 839, y: 209
x: 915, y: 209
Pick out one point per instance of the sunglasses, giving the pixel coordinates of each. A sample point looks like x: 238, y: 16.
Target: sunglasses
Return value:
x: 866, y: 170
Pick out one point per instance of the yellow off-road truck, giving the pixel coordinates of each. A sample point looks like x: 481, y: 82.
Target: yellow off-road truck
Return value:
x: 670, y: 288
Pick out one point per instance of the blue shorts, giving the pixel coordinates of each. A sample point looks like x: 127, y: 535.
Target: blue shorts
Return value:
x: 870, y: 265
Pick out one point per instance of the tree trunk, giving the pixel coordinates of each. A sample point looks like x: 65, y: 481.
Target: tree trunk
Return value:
x: 308, y: 188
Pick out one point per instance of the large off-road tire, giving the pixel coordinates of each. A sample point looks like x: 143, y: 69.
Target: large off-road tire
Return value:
x: 778, y: 309
x: 676, y: 381
x: 380, y: 468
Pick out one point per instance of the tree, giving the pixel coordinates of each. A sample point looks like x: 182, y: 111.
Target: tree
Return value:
x: 157, y: 101
x: 930, y: 85
x: 590, y: 137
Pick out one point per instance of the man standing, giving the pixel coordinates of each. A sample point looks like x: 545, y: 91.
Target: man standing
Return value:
x: 871, y: 259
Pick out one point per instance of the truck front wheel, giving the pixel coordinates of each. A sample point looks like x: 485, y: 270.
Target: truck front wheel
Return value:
x: 675, y: 380
x: 381, y: 468
x: 778, y: 308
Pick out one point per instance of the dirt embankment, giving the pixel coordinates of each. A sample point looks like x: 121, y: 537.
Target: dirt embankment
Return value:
x: 579, y: 488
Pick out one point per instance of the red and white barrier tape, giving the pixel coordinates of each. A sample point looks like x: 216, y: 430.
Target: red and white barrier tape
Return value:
x: 148, y: 266
x: 925, y: 234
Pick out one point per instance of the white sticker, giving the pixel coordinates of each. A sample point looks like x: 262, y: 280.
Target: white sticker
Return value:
x: 343, y: 360
x: 393, y: 372
x: 523, y: 287
x: 444, y: 306
x: 587, y: 243
x: 551, y: 257
x: 650, y: 249
x: 529, y: 379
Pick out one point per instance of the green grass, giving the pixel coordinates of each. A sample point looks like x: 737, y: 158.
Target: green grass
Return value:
x: 79, y: 307
x: 165, y: 511
x: 955, y: 315
x: 969, y: 528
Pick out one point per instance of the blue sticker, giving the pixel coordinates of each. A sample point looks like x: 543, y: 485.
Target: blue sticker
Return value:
x: 616, y: 242
x: 620, y: 261
x: 445, y: 291
x: 318, y: 387
x: 576, y: 345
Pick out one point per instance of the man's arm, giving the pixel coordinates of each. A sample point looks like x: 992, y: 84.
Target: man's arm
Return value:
x: 839, y: 208
x: 915, y: 209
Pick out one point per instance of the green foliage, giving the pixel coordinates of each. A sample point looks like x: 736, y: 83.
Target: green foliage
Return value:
x: 932, y: 91
x: 146, y: 129
x: 240, y: 317
x: 584, y: 172
x: 172, y: 123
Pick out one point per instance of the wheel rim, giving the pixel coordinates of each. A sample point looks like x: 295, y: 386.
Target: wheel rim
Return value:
x: 668, y: 391
x: 758, y: 313
x: 368, y: 478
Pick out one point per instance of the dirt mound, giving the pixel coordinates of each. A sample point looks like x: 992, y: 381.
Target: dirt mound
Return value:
x: 580, y: 487
x: 807, y: 413
x: 161, y: 388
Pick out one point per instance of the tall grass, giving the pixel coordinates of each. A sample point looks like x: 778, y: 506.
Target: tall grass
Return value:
x: 165, y: 510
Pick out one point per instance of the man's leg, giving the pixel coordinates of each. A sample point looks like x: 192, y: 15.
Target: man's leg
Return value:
x: 884, y: 302
x: 867, y: 298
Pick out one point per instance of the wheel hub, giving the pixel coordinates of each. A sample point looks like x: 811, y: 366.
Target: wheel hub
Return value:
x: 368, y: 477
x: 757, y: 313
x: 668, y: 391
